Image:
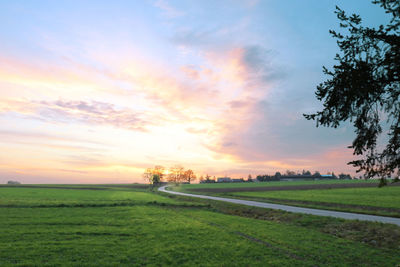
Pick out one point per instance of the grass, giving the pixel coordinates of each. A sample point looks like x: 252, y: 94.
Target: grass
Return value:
x: 274, y: 183
x: 120, y: 227
x: 388, y: 197
x: 48, y: 197
x: 371, y: 200
x: 377, y: 201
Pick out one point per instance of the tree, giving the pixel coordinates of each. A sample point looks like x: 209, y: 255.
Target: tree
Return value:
x: 148, y: 175
x: 176, y: 174
x: 153, y: 176
x: 189, y: 176
x: 364, y: 88
x: 156, y: 179
x: 159, y: 170
x: 290, y: 173
x: 316, y: 174
x: 343, y: 176
x: 249, y: 178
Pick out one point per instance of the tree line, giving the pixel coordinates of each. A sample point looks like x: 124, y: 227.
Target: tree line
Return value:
x: 304, y: 174
x: 174, y: 174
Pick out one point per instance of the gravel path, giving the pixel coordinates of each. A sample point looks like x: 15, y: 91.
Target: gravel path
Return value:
x: 337, y: 214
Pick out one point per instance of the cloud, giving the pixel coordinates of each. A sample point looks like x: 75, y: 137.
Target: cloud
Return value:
x: 245, y: 76
x: 40, y: 136
x: 88, y: 112
x: 238, y: 104
x: 195, y: 38
x: 47, y: 78
x: 73, y: 171
x: 197, y: 130
x: 260, y: 61
x: 85, y: 161
x: 252, y: 128
x: 216, y: 99
x: 191, y: 71
x: 252, y: 3
x: 168, y: 11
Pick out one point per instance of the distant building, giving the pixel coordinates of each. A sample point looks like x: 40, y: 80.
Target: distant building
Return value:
x: 224, y: 180
x: 13, y: 182
x: 240, y: 180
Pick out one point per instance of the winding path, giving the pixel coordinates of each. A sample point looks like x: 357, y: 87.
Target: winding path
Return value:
x: 329, y: 213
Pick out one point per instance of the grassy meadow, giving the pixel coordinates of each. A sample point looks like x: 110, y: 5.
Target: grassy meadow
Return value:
x: 369, y: 200
x: 274, y: 183
x: 383, y: 201
x: 132, y: 226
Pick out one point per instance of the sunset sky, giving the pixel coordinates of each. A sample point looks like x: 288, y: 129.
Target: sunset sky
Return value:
x: 97, y: 91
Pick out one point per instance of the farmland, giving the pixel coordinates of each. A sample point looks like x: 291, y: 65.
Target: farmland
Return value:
x: 351, y: 196
x: 274, y: 184
x: 369, y: 200
x: 130, y: 225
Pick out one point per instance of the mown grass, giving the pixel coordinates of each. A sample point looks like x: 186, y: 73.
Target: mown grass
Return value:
x: 375, y: 234
x: 69, y: 227
x: 383, y: 201
x: 274, y: 183
x: 36, y: 197
x: 378, y: 197
x: 380, y: 201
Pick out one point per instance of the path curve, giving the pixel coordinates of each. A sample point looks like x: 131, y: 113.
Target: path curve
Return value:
x: 329, y: 213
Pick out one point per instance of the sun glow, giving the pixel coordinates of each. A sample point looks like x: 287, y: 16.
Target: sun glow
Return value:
x: 104, y: 102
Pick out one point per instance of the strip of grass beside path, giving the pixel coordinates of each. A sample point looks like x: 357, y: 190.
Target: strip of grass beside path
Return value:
x: 374, y: 234
x: 383, y: 201
x: 274, y: 183
x: 380, y: 201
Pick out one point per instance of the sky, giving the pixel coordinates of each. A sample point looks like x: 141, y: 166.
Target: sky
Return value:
x: 97, y: 91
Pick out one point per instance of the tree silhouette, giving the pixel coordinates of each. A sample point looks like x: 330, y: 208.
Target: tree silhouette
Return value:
x: 364, y: 88
x: 189, y: 176
x: 153, y: 176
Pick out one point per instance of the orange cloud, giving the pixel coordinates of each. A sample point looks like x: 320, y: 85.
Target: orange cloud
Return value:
x: 206, y: 111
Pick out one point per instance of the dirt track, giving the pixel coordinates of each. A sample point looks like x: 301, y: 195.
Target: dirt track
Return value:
x: 287, y: 187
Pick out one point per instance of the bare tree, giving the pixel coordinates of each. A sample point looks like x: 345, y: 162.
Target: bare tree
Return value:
x: 189, y: 176
x: 159, y: 170
x: 154, y: 175
x: 176, y: 174
x: 249, y: 178
x: 148, y: 175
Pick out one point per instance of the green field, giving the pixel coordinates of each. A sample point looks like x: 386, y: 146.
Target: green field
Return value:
x: 274, y: 183
x: 124, y: 226
x: 383, y: 201
x: 377, y: 197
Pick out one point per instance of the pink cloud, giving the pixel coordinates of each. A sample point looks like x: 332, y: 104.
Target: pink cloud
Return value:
x: 93, y: 112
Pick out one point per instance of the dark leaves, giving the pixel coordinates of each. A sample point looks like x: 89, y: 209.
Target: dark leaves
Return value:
x: 364, y: 88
